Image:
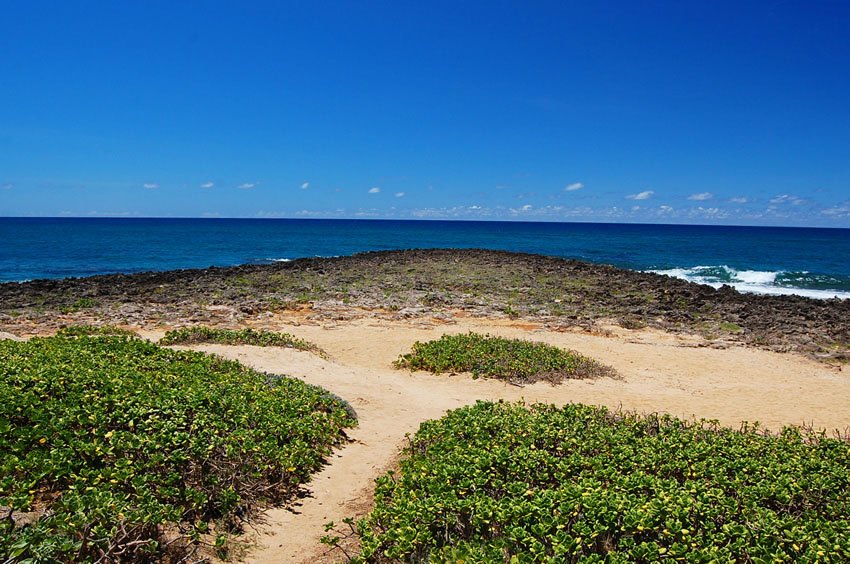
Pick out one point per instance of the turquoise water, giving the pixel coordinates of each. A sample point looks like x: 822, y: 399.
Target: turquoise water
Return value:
x: 804, y: 261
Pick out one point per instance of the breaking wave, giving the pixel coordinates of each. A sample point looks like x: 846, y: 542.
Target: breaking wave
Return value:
x: 780, y: 283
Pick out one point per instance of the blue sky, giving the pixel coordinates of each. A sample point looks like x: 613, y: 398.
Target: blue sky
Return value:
x: 663, y: 112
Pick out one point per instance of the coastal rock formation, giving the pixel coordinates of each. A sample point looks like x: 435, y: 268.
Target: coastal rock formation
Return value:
x: 427, y: 283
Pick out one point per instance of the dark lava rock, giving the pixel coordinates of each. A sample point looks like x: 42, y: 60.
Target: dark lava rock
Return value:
x: 554, y: 290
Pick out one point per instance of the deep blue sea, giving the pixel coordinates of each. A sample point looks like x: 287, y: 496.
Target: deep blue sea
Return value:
x: 776, y: 260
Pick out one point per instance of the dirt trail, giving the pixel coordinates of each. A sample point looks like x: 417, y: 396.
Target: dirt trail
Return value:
x: 660, y: 372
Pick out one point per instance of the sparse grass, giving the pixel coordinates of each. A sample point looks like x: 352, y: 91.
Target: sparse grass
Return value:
x: 514, y: 360
x: 730, y: 327
x: 632, y: 323
x: 82, y: 303
x: 715, y: 329
x: 261, y: 338
x: 510, y: 311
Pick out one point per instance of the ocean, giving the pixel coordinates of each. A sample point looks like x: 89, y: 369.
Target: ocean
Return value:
x: 771, y: 260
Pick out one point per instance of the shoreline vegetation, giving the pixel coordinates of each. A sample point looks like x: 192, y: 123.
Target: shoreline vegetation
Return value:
x: 439, y: 283
x: 201, y: 334
x: 502, y: 482
x: 515, y: 361
x: 117, y: 449
x: 120, y: 448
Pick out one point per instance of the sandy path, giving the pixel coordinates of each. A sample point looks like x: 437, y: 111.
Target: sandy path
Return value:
x: 660, y: 372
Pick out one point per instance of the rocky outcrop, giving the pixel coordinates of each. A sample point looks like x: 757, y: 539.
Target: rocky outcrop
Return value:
x: 417, y: 283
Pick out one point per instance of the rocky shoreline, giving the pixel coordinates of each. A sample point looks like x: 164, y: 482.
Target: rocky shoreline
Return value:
x: 428, y: 284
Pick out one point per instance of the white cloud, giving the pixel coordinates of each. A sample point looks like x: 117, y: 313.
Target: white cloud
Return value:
x: 665, y: 209
x: 150, y: 185
x: 739, y: 200
x: 839, y: 211
x: 305, y: 185
x: 701, y: 197
x: 786, y: 199
x: 7, y: 186
x: 542, y: 213
x: 374, y: 190
x: 399, y: 194
x: 372, y: 212
x: 248, y: 185
x: 457, y: 212
x: 525, y: 209
x: 645, y: 195
x: 708, y: 213
x: 573, y: 187
x: 339, y: 212
x: 102, y: 213
x: 207, y: 185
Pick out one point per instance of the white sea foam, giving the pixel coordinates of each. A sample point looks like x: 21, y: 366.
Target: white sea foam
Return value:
x: 749, y: 281
x: 756, y: 277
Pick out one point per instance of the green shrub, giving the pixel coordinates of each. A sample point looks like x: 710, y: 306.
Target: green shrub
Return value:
x: 111, y: 446
x: 82, y: 303
x: 260, y: 338
x: 93, y: 330
x: 498, y: 482
x: 515, y: 360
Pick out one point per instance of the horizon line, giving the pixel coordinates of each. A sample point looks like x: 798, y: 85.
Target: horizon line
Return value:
x: 413, y: 219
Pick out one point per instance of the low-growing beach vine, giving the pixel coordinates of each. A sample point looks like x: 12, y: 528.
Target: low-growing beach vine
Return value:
x: 94, y: 330
x: 501, y: 482
x: 515, y: 360
x: 116, y: 449
x: 257, y: 337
